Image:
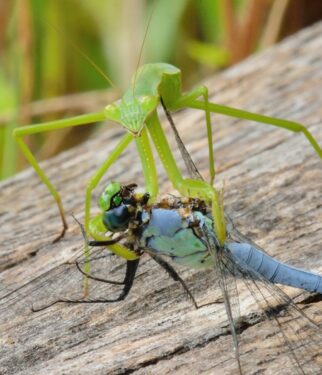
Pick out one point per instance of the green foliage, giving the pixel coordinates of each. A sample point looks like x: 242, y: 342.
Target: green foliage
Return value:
x: 208, y: 54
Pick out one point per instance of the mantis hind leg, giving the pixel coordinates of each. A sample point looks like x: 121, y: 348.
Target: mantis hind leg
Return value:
x: 245, y: 115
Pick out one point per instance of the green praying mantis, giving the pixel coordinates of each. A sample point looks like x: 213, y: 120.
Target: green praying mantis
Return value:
x: 153, y: 84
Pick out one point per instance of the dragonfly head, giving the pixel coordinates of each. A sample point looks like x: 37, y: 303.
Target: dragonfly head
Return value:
x: 111, y: 196
x: 131, y: 112
x: 117, y: 219
x: 116, y: 204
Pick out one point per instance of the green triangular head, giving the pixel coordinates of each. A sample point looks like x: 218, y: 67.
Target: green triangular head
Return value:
x: 149, y: 83
x: 132, y: 114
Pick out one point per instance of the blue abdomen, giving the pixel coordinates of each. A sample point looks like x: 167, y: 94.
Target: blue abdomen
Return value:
x: 181, y: 238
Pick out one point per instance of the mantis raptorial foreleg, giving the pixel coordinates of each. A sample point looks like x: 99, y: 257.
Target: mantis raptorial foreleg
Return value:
x: 148, y: 165
x: 187, y: 187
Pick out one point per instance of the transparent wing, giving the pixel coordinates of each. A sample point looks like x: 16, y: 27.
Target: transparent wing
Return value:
x: 234, y: 234
x: 229, y: 291
x: 299, y: 337
x: 190, y: 165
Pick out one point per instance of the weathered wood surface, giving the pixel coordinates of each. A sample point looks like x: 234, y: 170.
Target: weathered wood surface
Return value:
x: 273, y: 187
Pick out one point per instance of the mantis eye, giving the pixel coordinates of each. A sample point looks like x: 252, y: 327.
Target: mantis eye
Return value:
x: 117, y: 219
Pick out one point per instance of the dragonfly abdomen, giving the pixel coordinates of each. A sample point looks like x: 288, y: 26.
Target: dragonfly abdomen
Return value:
x: 170, y: 234
x: 275, y: 271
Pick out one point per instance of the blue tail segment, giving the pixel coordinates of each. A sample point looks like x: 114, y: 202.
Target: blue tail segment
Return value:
x: 275, y: 271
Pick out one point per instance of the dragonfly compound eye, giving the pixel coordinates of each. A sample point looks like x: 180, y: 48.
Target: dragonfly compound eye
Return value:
x: 110, y: 196
x: 117, y: 219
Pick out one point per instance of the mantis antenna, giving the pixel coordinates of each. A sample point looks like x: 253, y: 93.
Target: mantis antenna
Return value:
x: 77, y: 49
x: 143, y: 44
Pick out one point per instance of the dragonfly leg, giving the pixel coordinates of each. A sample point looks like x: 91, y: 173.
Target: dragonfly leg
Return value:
x: 174, y: 275
x: 89, y: 276
x: 131, y: 268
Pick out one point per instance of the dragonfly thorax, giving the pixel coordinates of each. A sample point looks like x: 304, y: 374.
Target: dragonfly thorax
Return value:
x: 171, y: 227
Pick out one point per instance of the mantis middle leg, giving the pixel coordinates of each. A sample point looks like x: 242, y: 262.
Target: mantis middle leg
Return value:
x: 19, y: 133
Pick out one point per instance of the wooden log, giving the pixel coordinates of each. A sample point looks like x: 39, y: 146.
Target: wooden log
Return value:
x: 272, y: 183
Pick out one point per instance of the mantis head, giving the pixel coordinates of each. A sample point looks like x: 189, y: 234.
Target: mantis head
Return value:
x: 131, y: 112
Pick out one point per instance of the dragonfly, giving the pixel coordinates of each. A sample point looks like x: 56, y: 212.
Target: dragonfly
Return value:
x: 181, y: 230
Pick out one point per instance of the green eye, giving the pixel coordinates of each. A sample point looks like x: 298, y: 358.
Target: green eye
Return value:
x: 117, y: 219
x: 110, y: 191
x: 117, y: 200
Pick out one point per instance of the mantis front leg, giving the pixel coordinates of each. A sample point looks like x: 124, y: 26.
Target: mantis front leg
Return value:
x: 193, y: 188
x: 95, y: 227
x: 147, y: 160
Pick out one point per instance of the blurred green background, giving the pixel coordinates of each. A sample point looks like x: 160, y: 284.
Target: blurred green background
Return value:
x: 44, y: 76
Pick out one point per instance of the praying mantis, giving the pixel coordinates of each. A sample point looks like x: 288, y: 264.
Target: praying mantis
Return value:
x: 153, y: 84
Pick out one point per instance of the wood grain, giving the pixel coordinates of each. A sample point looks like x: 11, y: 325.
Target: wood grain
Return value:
x: 273, y: 185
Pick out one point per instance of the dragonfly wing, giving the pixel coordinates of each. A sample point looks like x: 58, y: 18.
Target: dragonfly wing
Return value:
x: 297, y: 332
x: 233, y: 233
x: 227, y: 284
x: 189, y: 163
